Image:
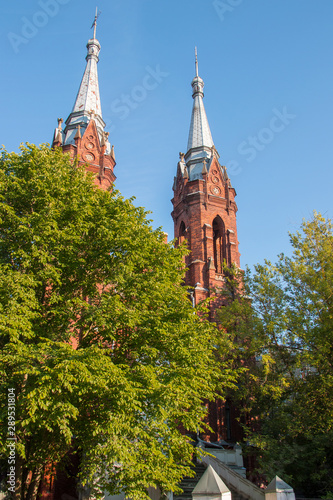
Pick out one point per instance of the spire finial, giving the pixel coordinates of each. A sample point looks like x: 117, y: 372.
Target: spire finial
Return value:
x: 94, y: 24
x: 196, y: 63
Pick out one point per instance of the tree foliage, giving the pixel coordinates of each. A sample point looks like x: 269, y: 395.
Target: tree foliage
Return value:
x: 287, y: 391
x: 97, y: 335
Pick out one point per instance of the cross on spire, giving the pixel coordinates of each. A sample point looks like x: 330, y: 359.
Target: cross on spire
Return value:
x: 94, y: 24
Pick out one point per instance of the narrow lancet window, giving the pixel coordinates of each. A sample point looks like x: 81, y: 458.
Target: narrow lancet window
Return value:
x: 219, y: 244
x: 182, y: 229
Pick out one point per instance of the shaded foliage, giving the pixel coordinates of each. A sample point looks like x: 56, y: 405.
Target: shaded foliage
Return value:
x: 284, y: 317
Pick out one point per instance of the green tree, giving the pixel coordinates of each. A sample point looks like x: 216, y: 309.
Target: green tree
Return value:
x: 244, y: 329
x: 288, y: 391
x: 98, y: 338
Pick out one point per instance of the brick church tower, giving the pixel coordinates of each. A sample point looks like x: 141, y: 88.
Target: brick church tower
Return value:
x: 84, y: 137
x: 204, y: 214
x: 204, y: 208
x: 85, y: 140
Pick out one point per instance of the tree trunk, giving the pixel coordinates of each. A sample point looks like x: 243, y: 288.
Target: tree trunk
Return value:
x: 18, y: 478
x: 34, y: 484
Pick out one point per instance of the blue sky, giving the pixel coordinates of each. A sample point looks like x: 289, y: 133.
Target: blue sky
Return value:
x: 268, y: 73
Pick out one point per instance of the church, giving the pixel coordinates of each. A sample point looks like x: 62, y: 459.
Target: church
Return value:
x: 204, y: 214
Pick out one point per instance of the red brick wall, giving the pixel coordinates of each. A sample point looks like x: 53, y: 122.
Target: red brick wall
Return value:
x: 89, y: 151
x: 197, y: 203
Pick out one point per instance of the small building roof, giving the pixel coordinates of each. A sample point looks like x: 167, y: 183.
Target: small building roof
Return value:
x: 277, y: 484
x: 210, y: 483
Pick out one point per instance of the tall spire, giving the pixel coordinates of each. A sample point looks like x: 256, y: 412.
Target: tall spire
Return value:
x: 84, y: 137
x: 200, y: 139
x: 87, y: 104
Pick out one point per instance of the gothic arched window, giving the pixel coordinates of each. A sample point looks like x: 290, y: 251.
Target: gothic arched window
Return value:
x: 182, y: 229
x: 219, y: 244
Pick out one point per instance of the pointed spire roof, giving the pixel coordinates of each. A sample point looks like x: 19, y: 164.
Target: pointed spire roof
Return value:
x: 279, y: 490
x: 87, y: 104
x: 200, y: 135
x: 278, y: 485
x: 211, y: 485
x: 200, y: 145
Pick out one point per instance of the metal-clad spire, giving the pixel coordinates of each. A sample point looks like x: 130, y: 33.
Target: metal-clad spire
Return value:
x: 200, y: 134
x: 200, y: 141
x: 87, y: 104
